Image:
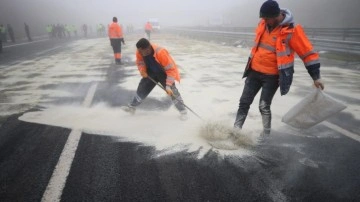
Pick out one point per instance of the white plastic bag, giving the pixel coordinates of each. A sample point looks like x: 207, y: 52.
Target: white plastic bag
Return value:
x: 313, y: 109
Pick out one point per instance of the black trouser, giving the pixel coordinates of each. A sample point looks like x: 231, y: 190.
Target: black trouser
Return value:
x: 146, y: 86
x: 12, y: 37
x: 1, y: 46
x: 28, y: 36
x: 116, y: 45
x: 253, y: 83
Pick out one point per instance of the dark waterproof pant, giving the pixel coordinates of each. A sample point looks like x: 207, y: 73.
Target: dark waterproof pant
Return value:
x: 116, y: 45
x: 28, y: 36
x: 253, y: 83
x: 146, y: 86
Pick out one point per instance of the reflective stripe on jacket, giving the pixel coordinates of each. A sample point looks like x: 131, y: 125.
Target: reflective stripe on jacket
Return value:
x: 163, y: 57
x: 289, y: 40
x: 264, y: 58
x: 115, y: 31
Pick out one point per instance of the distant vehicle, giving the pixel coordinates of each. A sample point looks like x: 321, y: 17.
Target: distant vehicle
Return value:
x: 155, y: 24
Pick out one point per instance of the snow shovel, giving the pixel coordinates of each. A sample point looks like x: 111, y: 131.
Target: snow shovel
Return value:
x: 175, y: 98
x: 211, y: 130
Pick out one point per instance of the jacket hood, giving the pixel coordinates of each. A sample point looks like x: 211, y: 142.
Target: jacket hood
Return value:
x: 288, y: 16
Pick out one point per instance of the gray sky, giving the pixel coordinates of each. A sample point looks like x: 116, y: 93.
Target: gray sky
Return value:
x: 38, y: 13
x: 173, y: 12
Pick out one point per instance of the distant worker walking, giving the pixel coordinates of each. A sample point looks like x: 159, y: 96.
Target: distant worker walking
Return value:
x: 85, y: 28
x: 11, y: 33
x: 116, y: 38
x: 148, y: 29
x: 49, y: 30
x: 27, y: 31
x: 3, y: 33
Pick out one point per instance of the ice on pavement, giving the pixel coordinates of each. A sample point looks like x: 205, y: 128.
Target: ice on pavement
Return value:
x: 211, y: 85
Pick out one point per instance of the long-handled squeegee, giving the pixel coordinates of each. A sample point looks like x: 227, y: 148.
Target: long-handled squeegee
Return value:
x: 175, y: 98
x: 233, y: 138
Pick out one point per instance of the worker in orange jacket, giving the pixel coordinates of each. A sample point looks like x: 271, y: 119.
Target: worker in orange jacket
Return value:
x: 155, y: 64
x: 148, y: 29
x: 271, y: 62
x: 116, y: 38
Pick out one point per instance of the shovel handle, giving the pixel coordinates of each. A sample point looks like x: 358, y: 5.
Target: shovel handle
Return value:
x: 162, y: 87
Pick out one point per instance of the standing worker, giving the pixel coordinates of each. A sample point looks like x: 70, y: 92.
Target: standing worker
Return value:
x: 116, y: 38
x: 1, y: 46
x: 84, y: 28
x: 49, y: 30
x: 148, y: 29
x: 11, y: 33
x: 27, y: 31
x: 271, y: 62
x: 156, y: 65
x: 3, y: 33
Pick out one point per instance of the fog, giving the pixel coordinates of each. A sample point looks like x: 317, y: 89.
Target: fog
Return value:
x: 38, y: 13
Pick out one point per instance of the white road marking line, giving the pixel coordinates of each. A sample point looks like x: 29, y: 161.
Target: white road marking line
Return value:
x: 342, y: 131
x: 58, y: 179
x: 90, y: 95
x: 48, y: 50
x: 21, y: 58
x: 19, y: 44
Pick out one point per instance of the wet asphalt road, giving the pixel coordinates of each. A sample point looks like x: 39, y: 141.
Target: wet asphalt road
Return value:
x: 285, y: 168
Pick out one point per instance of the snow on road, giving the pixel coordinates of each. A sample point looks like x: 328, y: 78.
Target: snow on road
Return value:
x: 211, y: 85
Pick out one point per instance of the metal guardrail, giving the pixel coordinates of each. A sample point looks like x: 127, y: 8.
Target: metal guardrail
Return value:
x: 349, y: 34
x: 338, y: 40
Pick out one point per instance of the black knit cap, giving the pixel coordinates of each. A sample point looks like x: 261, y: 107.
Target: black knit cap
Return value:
x: 143, y: 43
x: 269, y: 9
x: 114, y: 19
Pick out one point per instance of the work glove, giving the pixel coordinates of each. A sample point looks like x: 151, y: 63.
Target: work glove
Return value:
x: 319, y: 84
x: 123, y: 41
x: 143, y: 74
x: 169, y: 91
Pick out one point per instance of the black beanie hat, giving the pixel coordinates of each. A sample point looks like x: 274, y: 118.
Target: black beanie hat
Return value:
x: 269, y: 9
x: 114, y: 19
x: 143, y: 43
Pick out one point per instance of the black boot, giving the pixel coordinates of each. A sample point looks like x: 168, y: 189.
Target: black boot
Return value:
x: 239, y: 121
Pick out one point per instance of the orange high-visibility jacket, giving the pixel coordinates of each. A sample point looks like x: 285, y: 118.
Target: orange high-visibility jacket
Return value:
x: 148, y: 26
x: 163, y: 57
x: 289, y: 40
x: 115, y: 31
